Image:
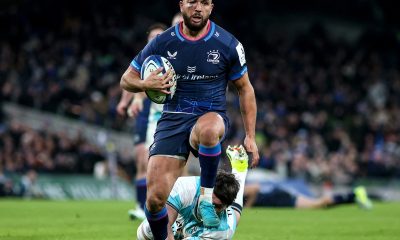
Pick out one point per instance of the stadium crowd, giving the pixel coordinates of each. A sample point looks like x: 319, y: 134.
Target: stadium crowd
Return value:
x: 328, y: 110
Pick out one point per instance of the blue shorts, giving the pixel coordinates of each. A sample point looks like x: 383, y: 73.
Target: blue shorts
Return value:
x: 173, y: 133
x: 139, y: 135
x: 276, y: 198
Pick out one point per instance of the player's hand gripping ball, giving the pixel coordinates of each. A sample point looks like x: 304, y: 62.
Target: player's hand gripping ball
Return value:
x: 151, y: 64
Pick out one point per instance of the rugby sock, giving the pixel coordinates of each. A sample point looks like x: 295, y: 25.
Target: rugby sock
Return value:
x: 158, y: 223
x: 141, y: 189
x: 343, y: 198
x: 209, y: 159
x: 241, y: 177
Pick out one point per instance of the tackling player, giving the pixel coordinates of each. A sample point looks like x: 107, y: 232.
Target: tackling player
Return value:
x: 227, y: 200
x: 205, y: 58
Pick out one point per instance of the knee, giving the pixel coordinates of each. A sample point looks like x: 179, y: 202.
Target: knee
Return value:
x: 210, y: 135
x: 155, y: 201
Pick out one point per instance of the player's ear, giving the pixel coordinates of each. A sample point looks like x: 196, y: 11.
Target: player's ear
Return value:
x: 180, y: 4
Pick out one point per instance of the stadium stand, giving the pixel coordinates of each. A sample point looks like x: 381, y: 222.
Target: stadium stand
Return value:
x: 328, y: 106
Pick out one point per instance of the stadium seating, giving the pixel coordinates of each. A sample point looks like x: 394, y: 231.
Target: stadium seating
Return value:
x: 328, y: 109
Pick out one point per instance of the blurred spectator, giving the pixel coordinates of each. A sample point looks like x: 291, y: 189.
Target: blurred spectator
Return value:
x: 22, y: 149
x: 28, y: 188
x: 6, y: 185
x: 329, y: 110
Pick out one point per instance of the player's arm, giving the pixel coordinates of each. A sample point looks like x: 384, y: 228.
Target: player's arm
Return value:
x: 238, y: 214
x: 172, y: 216
x: 124, y: 102
x: 248, y: 108
x: 131, y: 82
x: 181, y: 196
x: 136, y: 105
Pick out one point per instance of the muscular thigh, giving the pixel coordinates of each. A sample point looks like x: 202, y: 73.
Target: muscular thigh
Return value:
x: 162, y: 173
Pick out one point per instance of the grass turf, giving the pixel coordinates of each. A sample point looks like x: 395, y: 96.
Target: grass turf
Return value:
x: 84, y: 220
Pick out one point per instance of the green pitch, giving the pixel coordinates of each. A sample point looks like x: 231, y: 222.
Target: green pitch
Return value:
x: 76, y: 220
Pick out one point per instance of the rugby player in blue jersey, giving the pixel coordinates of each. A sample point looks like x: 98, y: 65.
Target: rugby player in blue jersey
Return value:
x: 205, y: 58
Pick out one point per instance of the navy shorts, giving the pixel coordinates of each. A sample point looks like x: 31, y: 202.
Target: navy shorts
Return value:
x: 139, y: 135
x: 173, y: 133
x: 142, y: 120
x: 275, y: 198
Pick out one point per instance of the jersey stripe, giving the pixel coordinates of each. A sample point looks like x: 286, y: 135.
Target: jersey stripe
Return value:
x: 239, y: 74
x: 205, y: 37
x: 135, y: 65
x: 210, y: 34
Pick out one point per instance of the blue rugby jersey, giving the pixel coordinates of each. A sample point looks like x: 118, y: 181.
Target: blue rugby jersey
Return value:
x: 203, y: 67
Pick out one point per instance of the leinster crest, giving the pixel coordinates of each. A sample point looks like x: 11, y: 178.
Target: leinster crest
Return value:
x: 213, y: 56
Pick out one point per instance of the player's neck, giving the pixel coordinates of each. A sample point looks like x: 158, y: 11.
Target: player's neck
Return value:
x: 194, y: 35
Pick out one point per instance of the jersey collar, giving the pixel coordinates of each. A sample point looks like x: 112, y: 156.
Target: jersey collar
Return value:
x: 205, y: 37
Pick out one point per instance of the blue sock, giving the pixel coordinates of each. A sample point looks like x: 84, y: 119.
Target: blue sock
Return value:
x: 141, y: 190
x: 209, y: 159
x: 158, y: 223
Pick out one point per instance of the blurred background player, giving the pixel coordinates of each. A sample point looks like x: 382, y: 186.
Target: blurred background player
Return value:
x: 137, y: 105
x: 272, y: 195
x: 147, y: 114
x: 227, y: 201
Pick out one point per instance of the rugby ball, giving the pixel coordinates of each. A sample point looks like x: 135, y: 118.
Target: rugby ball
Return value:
x: 152, y: 63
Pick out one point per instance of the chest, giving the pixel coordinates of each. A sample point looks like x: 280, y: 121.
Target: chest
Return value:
x: 205, y: 60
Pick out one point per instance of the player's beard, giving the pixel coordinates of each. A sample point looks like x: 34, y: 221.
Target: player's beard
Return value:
x: 193, y: 27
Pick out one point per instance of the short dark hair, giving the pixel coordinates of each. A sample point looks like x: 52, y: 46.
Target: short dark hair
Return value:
x: 156, y: 26
x: 226, y: 187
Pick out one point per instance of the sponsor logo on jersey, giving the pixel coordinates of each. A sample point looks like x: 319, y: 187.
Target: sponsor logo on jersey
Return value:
x: 195, y: 77
x: 171, y: 55
x: 241, y: 54
x: 213, y: 56
x: 191, y: 69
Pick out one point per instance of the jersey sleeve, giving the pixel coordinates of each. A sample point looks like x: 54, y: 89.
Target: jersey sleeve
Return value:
x: 149, y: 49
x: 183, y: 193
x: 238, y: 66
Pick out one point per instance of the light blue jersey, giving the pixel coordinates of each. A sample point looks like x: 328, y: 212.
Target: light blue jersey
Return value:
x: 154, y: 115
x: 187, y: 226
